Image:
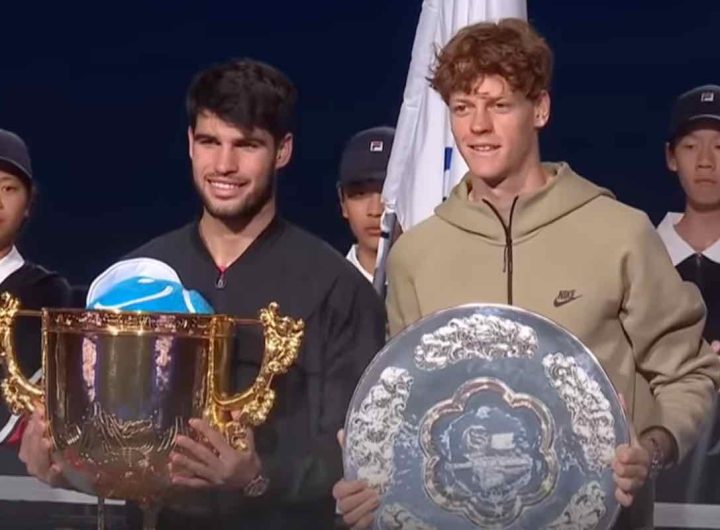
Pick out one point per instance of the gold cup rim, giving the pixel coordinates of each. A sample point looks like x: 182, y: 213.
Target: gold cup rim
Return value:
x: 76, y: 310
x: 119, y: 322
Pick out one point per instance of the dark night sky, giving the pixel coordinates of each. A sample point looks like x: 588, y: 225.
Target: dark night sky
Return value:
x: 98, y: 94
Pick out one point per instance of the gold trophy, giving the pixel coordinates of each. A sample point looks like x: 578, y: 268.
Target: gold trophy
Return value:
x: 119, y: 386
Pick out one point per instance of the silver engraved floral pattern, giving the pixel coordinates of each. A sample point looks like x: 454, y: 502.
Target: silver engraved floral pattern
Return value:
x: 590, y: 413
x: 477, y: 336
x: 584, y: 511
x: 489, y: 452
x: 374, y: 426
x: 487, y: 416
x: 396, y: 517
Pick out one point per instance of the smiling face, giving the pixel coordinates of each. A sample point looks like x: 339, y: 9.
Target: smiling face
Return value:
x: 695, y: 157
x: 496, y: 128
x: 234, y: 170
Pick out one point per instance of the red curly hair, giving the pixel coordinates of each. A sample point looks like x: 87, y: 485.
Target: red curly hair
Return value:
x: 510, y: 48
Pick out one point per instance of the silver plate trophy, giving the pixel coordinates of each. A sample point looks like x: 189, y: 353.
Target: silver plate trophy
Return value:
x: 486, y: 416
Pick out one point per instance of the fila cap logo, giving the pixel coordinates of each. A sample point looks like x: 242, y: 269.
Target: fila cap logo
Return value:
x: 707, y: 97
x: 376, y: 146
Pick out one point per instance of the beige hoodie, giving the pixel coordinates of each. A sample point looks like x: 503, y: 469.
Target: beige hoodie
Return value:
x: 595, y: 266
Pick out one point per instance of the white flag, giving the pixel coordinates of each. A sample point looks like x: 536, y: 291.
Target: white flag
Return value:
x: 420, y: 173
x: 425, y: 163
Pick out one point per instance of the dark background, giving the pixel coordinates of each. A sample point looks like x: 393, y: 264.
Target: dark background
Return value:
x: 97, y: 91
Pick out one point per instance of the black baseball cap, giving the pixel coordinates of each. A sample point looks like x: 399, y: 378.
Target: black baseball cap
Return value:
x: 366, y: 156
x: 700, y: 104
x: 14, y: 156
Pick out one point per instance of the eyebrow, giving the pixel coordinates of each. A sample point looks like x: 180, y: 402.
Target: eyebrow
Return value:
x: 250, y: 139
x: 245, y: 140
x: 465, y: 98
x: 690, y: 137
x: 204, y: 136
x: 468, y: 98
x: 494, y: 98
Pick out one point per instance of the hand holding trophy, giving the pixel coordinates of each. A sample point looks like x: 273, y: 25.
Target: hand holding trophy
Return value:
x: 120, y: 387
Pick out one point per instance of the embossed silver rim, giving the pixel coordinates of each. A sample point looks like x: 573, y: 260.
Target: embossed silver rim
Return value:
x: 612, y: 391
x: 532, y: 314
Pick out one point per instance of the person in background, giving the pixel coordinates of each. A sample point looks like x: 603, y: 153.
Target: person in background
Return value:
x: 692, y: 238
x: 363, y: 168
x: 33, y: 285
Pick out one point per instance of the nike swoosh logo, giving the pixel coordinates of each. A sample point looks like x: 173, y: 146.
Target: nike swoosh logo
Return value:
x: 162, y: 294
x: 559, y: 302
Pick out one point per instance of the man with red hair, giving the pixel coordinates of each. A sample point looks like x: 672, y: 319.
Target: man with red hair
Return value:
x: 537, y: 235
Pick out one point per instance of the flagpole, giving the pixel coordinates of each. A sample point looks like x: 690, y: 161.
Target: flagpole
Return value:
x: 388, y: 227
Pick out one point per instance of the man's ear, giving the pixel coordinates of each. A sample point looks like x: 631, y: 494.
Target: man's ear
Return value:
x: 190, y: 142
x: 542, y: 110
x: 343, y: 206
x: 670, y: 159
x: 284, y: 151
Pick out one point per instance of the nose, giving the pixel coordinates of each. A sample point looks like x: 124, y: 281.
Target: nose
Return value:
x: 481, y: 122
x: 707, y: 157
x: 375, y: 205
x: 226, y: 161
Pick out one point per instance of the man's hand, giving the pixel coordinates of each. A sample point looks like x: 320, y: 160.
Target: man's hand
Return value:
x: 715, y: 345
x: 355, y: 499
x: 357, y: 503
x: 201, y: 467
x: 631, y: 466
x: 35, y: 450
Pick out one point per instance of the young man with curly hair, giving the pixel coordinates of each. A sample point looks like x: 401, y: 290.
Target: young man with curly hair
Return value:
x: 537, y: 235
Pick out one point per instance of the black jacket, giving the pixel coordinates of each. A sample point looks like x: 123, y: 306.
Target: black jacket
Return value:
x: 344, y: 329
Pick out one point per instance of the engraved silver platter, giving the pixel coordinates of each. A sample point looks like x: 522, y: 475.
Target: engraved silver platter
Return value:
x: 486, y: 416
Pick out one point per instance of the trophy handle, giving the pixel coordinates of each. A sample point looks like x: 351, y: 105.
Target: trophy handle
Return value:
x: 283, y: 336
x: 19, y: 393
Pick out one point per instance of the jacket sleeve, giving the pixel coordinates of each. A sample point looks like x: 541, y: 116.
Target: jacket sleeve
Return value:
x: 663, y: 317
x: 49, y: 290
x: 353, y: 324
x: 403, y: 308
x: 54, y: 291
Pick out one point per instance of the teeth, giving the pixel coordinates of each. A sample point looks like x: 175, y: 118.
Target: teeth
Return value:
x: 223, y: 185
x: 484, y: 148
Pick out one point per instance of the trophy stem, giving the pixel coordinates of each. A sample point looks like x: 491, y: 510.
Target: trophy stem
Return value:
x: 150, y: 511
x: 101, y: 513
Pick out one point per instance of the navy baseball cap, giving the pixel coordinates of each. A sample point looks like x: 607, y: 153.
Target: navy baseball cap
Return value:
x: 14, y: 156
x: 701, y: 104
x: 366, y: 156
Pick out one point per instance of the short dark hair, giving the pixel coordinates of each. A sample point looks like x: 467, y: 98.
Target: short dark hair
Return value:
x: 246, y: 93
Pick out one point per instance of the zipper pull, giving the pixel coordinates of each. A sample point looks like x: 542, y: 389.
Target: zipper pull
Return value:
x: 220, y: 282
